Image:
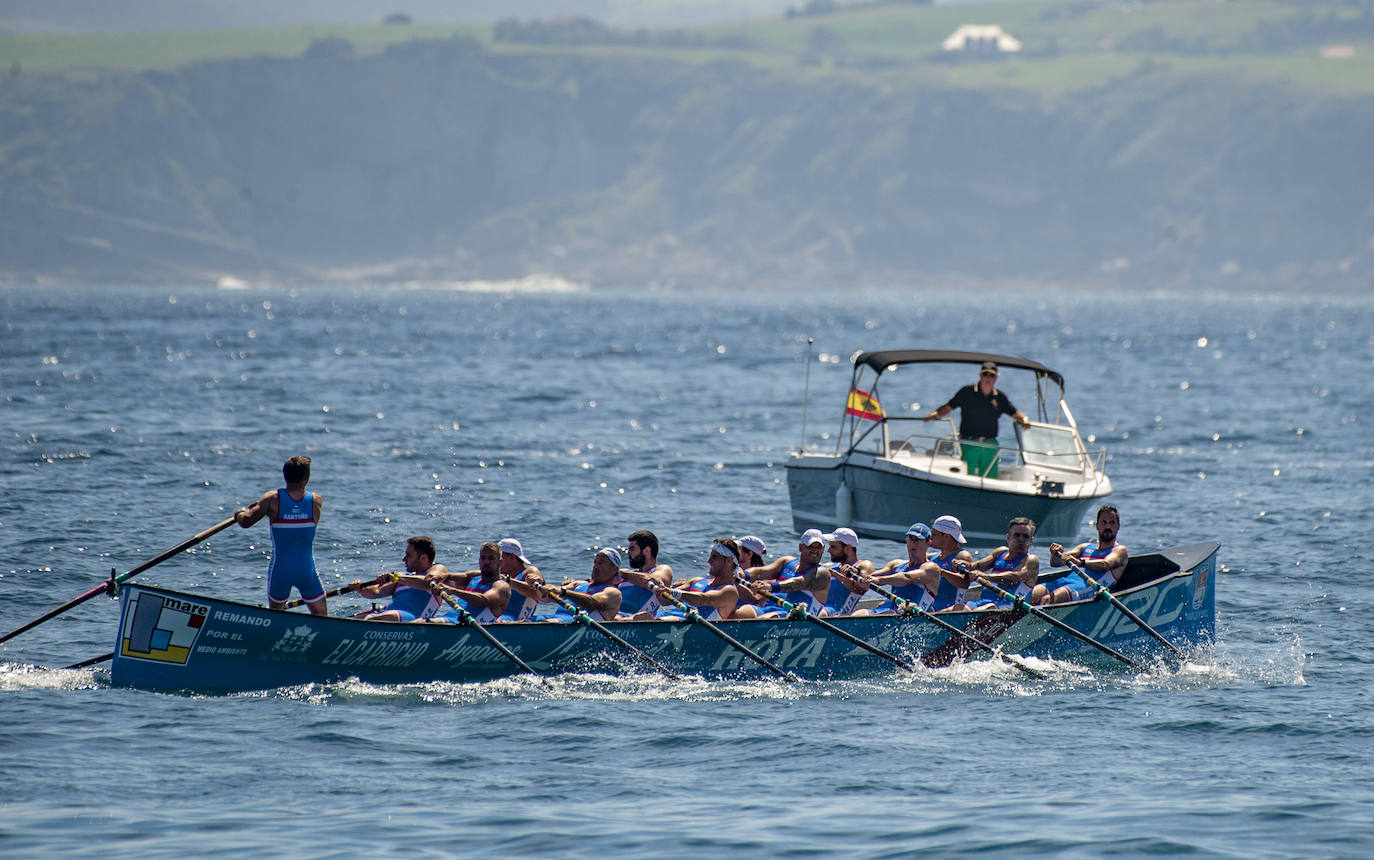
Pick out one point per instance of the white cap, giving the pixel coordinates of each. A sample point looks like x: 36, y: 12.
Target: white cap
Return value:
x: 613, y: 554
x: 754, y: 545
x: 811, y: 536
x: 950, y: 526
x: 844, y: 536
x: 512, y: 546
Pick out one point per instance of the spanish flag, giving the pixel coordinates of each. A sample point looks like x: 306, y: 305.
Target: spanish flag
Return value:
x: 864, y: 405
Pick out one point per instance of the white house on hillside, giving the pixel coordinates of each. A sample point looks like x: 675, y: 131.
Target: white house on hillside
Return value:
x: 990, y: 38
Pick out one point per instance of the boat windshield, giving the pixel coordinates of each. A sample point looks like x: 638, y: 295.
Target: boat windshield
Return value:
x: 1052, y: 447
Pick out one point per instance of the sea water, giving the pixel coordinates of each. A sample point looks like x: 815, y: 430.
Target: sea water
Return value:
x: 565, y: 416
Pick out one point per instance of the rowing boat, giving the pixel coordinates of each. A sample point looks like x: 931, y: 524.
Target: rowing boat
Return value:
x: 170, y: 640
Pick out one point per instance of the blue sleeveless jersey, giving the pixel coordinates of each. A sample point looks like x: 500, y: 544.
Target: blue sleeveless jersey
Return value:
x: 948, y: 594
x: 839, y: 600
x: 913, y: 593
x: 1003, y: 563
x: 637, y: 598
x: 520, y: 607
x: 416, y: 602
x: 1095, y: 552
x: 293, y: 554
x: 481, y: 616
x: 802, y: 596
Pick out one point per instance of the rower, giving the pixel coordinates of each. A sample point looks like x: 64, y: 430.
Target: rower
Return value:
x: 715, y: 596
x: 913, y: 579
x: 1012, y: 567
x: 801, y: 580
x: 524, y: 578
x: 598, y: 596
x: 411, y: 597
x: 946, y: 537
x: 482, y: 593
x: 1104, y: 560
x: 639, y: 599
x: 845, y: 591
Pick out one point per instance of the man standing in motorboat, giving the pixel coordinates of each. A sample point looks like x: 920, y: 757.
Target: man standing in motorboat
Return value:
x: 981, y: 405
x: 1104, y: 560
x: 293, y: 514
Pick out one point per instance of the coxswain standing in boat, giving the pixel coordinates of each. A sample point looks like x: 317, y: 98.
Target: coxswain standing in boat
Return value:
x: 412, y: 598
x: 481, y: 592
x: 598, y: 596
x: 639, y: 581
x: 1104, y: 560
x: 524, y: 578
x: 1013, y: 566
x: 801, y: 580
x: 293, y: 515
x: 845, y: 591
x: 714, y: 596
x: 980, y: 406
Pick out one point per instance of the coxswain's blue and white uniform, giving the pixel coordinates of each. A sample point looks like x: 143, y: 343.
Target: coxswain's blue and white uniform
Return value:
x: 913, y: 592
x: 293, y: 550
x: 1004, y: 563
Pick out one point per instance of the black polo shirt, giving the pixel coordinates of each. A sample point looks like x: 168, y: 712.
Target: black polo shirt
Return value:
x: 979, y: 413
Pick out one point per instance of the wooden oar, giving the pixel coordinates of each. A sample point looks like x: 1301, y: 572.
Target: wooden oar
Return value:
x: 695, y: 618
x: 109, y: 585
x: 580, y: 616
x: 830, y: 628
x: 1021, y: 603
x: 909, y: 608
x: 1104, y: 594
x: 465, y: 618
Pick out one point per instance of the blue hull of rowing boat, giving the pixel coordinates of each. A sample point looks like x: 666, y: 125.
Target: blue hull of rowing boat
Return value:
x: 174, y: 641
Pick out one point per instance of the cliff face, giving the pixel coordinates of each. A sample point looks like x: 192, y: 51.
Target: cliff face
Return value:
x: 444, y: 160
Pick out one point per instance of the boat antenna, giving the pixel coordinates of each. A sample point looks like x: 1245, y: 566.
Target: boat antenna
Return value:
x: 806, y: 395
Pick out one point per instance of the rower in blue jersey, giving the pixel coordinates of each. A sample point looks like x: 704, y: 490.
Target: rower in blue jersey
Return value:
x: 914, y: 579
x: 1105, y: 560
x: 482, y: 592
x: 412, y: 597
x: 845, y: 591
x: 751, y: 554
x: 598, y: 596
x: 1012, y: 566
x: 293, y: 515
x: 802, y: 581
x: 947, y: 538
x: 524, y: 578
x: 639, y: 582
x: 715, y: 596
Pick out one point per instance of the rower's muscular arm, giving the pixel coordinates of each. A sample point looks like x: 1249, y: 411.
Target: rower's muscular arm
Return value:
x: 263, y: 507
